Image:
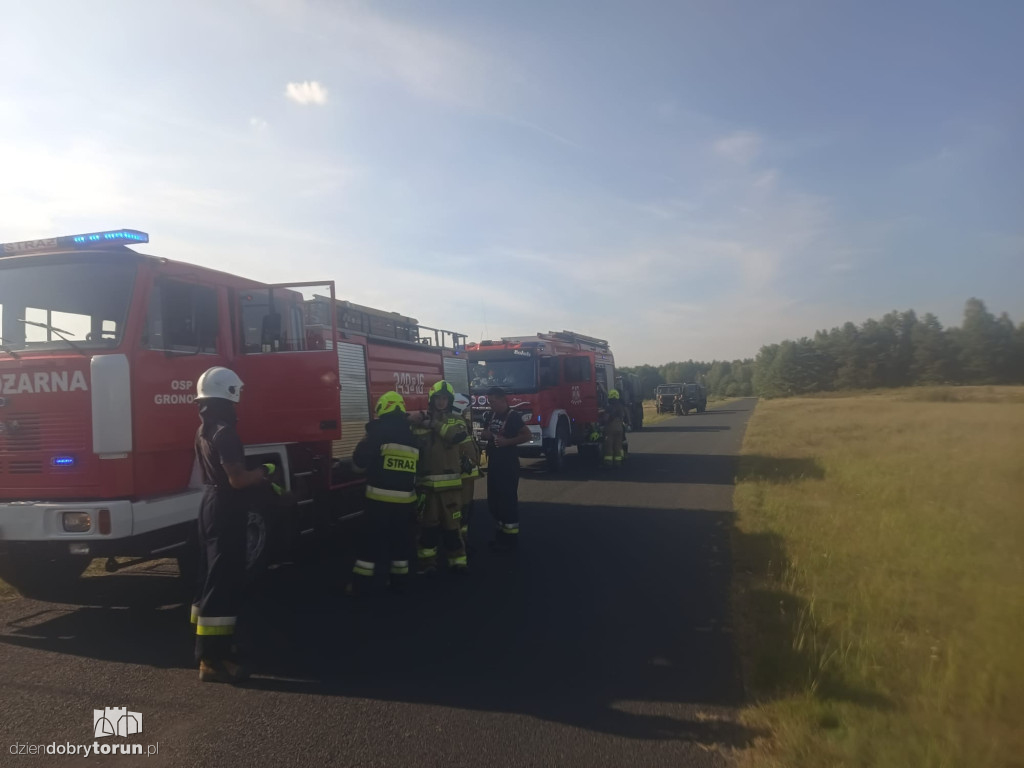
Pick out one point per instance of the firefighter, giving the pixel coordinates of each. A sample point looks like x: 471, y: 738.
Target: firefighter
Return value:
x: 614, y: 430
x: 440, y: 481
x: 223, y: 517
x: 389, y: 456
x: 503, y: 430
x: 469, y: 465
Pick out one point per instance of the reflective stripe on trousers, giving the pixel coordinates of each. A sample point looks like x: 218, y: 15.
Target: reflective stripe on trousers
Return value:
x: 215, y: 625
x: 363, y: 568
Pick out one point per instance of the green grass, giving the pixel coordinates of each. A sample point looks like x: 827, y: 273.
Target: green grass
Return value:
x: 651, y: 417
x: 879, y: 579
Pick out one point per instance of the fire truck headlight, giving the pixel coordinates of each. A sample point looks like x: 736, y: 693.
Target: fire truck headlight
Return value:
x: 527, y: 417
x: 77, y: 522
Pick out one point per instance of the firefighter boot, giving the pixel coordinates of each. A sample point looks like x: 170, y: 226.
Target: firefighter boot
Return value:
x: 506, y: 541
x: 427, y: 553
x: 222, y: 672
x: 455, y: 552
x: 398, y: 578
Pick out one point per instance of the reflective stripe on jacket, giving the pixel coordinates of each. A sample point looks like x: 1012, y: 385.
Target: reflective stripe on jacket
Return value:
x: 390, y: 457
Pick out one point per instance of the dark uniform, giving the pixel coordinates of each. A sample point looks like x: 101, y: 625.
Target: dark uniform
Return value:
x: 222, y: 523
x: 614, y: 432
x: 503, y: 476
x: 389, y: 456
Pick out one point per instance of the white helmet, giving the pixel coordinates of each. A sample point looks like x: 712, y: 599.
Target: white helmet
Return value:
x: 219, y: 382
x: 460, y: 404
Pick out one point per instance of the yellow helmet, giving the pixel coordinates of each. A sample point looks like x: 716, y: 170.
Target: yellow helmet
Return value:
x: 390, y: 401
x: 613, y: 394
x: 443, y: 388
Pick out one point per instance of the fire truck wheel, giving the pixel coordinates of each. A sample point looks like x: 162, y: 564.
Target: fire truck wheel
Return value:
x: 43, y: 578
x: 257, y: 542
x: 554, y: 451
x: 188, y: 565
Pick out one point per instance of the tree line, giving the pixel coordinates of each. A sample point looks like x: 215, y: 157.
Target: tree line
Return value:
x: 899, y: 350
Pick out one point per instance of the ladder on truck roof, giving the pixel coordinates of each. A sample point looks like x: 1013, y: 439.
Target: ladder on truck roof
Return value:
x: 383, y: 324
x: 577, y: 338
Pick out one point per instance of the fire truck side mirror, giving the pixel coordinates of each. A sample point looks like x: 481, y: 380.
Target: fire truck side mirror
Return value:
x: 270, y: 336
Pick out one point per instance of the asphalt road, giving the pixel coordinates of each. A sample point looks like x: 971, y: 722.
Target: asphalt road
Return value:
x: 604, y: 642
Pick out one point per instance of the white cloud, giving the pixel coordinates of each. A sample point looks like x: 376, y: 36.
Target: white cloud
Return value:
x: 258, y: 124
x: 306, y: 92
x: 740, y: 147
x: 767, y: 180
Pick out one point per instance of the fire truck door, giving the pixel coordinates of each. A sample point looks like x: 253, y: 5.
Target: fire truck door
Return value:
x: 291, y: 376
x: 579, y: 387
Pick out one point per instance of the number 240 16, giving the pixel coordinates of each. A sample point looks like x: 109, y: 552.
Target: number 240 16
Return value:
x: 409, y: 383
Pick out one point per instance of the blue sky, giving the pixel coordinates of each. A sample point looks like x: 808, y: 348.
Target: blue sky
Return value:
x: 686, y: 179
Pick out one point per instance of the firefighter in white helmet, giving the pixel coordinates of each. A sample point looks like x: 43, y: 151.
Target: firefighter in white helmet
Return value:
x: 469, y: 464
x: 222, y: 524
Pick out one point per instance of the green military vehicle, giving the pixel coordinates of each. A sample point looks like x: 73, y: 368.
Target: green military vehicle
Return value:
x: 692, y: 397
x: 665, y: 397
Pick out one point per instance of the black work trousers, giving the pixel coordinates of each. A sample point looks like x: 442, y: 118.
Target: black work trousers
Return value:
x: 222, y: 530
x: 390, y: 526
x: 503, y: 491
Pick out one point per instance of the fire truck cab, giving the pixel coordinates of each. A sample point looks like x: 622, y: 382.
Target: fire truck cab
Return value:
x: 558, y: 380
x: 100, y: 350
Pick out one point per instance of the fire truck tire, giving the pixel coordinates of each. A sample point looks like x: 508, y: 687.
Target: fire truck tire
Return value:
x: 188, y: 565
x: 43, y: 578
x: 554, y: 448
x: 258, y: 536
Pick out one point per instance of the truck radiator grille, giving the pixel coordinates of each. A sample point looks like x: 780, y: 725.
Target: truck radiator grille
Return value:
x: 25, y: 467
x: 38, y: 431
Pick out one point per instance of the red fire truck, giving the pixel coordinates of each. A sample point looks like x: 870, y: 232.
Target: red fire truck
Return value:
x: 100, y: 349
x: 559, y: 381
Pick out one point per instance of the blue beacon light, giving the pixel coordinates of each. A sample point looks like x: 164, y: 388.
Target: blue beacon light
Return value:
x: 63, y: 461
x: 85, y: 240
x: 115, y: 235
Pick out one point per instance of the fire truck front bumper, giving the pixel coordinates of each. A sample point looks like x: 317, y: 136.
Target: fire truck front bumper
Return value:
x: 90, y: 528
x: 536, y: 444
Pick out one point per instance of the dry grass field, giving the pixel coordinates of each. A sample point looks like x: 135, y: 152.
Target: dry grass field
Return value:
x: 879, y: 579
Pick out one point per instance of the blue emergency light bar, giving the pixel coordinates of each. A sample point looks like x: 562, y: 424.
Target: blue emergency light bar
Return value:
x: 75, y: 242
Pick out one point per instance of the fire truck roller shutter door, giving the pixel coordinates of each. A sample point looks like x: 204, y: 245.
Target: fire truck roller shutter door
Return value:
x: 355, y: 400
x: 456, y: 373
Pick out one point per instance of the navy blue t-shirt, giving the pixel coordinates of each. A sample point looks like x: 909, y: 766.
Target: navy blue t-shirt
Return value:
x: 508, y: 426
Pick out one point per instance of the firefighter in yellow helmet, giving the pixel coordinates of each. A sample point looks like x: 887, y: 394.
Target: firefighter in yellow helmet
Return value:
x: 614, y: 430
x: 440, y: 481
x: 389, y: 456
x: 469, y: 464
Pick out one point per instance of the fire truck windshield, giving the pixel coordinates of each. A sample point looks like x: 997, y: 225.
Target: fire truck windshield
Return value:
x: 80, y: 305
x: 515, y: 374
